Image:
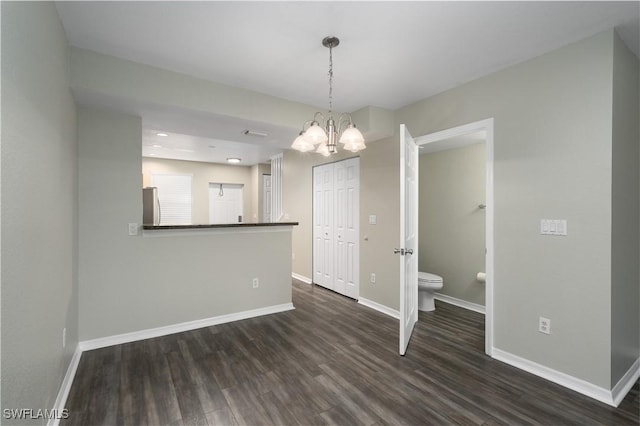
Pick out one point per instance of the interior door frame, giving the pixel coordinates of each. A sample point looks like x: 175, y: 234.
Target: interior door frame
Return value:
x: 487, y: 125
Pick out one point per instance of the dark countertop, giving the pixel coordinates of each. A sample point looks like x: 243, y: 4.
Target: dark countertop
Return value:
x: 222, y: 225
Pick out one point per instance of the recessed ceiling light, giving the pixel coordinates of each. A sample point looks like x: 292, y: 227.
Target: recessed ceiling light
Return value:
x: 233, y: 160
x: 157, y: 146
x: 184, y: 150
x: 162, y: 134
x: 212, y: 146
x: 153, y: 155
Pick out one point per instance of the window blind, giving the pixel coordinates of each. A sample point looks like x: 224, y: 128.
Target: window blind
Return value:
x: 174, y: 196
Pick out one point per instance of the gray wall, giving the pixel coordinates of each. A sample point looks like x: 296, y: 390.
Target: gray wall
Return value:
x: 552, y: 159
x: 625, y: 255
x: 553, y: 151
x: 39, y: 207
x: 133, y: 283
x: 379, y: 195
x: 134, y: 85
x: 452, y: 184
x: 555, y: 139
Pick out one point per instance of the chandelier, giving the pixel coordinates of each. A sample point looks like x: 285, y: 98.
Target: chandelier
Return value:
x: 323, y: 138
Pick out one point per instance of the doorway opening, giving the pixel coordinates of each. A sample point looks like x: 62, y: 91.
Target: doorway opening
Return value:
x: 458, y: 137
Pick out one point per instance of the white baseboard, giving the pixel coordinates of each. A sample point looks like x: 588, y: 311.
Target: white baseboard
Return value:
x: 460, y: 303
x: 380, y: 308
x: 624, y: 385
x: 65, y: 387
x: 178, y: 328
x: 302, y: 278
x: 609, y: 397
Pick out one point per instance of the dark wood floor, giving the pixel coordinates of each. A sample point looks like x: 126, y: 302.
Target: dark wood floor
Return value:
x: 330, y: 361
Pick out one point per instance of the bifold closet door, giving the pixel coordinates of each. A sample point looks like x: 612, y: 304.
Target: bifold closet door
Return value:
x: 346, y: 184
x: 323, y: 205
x: 336, y: 232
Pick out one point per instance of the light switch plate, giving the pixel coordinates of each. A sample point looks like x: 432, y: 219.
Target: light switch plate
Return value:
x: 133, y: 229
x: 373, y: 219
x: 553, y: 227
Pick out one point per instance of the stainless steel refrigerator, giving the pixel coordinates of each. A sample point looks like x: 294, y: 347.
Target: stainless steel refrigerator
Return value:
x: 151, y: 212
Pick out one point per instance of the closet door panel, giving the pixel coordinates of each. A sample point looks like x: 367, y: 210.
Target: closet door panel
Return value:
x: 323, y: 233
x: 351, y: 233
x: 327, y: 221
x: 318, y: 258
x: 340, y: 282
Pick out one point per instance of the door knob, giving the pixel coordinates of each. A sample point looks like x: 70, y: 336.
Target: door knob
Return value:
x: 409, y: 251
x: 401, y: 251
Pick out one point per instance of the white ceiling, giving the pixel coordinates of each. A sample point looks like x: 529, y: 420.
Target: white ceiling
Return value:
x: 391, y: 53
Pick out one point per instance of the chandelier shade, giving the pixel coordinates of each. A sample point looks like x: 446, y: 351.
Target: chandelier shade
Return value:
x: 323, y: 149
x: 301, y: 144
x: 345, y: 132
x: 351, y: 135
x: 315, y: 134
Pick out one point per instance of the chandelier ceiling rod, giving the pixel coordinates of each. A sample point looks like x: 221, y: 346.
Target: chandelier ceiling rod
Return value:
x: 330, y: 42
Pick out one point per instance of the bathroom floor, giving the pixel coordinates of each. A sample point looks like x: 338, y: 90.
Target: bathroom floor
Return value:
x: 329, y: 361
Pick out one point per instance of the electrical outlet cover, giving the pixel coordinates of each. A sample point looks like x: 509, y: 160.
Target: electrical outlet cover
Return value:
x: 544, y: 325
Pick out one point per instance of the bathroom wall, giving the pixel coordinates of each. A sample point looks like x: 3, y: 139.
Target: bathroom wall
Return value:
x: 451, y: 226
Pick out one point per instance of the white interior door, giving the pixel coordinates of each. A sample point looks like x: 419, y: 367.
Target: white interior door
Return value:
x: 324, y: 254
x: 225, y: 203
x: 351, y: 236
x: 318, y: 260
x: 266, y: 198
x: 408, y: 250
x: 340, y: 194
x: 346, y: 188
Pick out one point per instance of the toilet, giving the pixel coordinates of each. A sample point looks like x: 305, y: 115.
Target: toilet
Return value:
x: 428, y: 284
